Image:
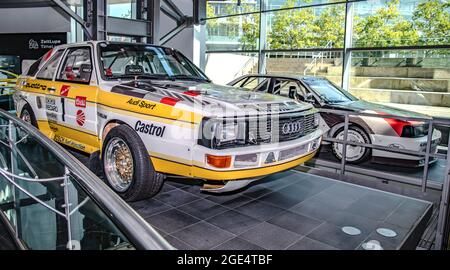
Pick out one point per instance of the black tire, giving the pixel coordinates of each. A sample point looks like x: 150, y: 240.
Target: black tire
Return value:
x: 365, y: 152
x: 27, y: 109
x: 146, y: 182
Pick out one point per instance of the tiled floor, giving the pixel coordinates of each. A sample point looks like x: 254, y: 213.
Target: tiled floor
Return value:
x: 290, y: 210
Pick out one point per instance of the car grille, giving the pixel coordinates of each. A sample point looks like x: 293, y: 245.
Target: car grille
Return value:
x: 272, y: 130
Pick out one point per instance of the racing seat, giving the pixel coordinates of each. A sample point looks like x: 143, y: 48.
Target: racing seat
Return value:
x: 85, y: 72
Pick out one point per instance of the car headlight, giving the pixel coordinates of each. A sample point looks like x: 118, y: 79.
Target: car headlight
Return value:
x: 217, y: 133
x: 227, y: 132
x: 316, y: 119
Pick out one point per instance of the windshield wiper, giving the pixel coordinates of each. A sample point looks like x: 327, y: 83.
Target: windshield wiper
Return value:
x: 189, y: 77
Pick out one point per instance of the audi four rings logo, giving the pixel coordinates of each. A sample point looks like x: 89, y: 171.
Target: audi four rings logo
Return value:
x: 291, y: 127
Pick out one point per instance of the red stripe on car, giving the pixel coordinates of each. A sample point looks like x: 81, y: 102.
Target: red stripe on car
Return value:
x: 192, y: 93
x: 169, y: 101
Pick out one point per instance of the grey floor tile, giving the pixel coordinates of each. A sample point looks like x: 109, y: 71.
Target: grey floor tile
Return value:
x: 257, y: 191
x: 259, y: 210
x: 233, y: 221
x: 166, y: 188
x: 177, y: 197
x: 270, y: 236
x: 203, y: 235
x: 202, y: 209
x: 295, y: 223
x: 286, y: 197
x: 178, y: 244
x: 333, y: 235
x: 317, y: 210
x: 336, y: 202
x: 310, y: 244
x: 342, y: 190
x: 171, y: 220
x: 372, y: 211
x: 238, y: 244
x: 382, y: 200
x: 229, y: 200
x: 149, y: 207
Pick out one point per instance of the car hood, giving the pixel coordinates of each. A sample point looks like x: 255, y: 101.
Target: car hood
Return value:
x: 369, y: 107
x: 209, y: 99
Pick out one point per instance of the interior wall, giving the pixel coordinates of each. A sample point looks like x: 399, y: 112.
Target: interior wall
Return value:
x: 33, y: 20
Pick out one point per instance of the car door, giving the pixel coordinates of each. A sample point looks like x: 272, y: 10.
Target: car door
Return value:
x: 45, y: 87
x: 77, y: 89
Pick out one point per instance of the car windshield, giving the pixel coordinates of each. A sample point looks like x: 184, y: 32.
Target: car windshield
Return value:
x: 327, y: 91
x: 129, y: 61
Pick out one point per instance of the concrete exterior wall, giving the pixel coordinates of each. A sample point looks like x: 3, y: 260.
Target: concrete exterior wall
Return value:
x: 33, y: 20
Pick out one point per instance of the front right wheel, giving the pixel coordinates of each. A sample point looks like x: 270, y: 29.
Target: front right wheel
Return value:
x: 354, y: 154
x: 127, y: 166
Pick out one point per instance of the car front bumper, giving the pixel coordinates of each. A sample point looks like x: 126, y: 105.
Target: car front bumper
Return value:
x: 270, y: 158
x: 413, y: 144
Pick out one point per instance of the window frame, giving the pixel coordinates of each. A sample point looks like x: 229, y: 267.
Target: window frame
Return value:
x: 47, y: 63
x: 66, y: 53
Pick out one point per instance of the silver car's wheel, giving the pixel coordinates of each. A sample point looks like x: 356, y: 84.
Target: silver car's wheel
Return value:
x: 354, y: 153
x: 118, y: 164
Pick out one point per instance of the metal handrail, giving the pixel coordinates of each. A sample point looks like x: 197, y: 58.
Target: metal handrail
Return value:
x: 137, y: 230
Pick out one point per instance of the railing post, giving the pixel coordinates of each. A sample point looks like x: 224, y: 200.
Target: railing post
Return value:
x: 15, y: 192
x: 344, y: 147
x: 427, y: 156
x: 67, y: 207
x: 441, y: 234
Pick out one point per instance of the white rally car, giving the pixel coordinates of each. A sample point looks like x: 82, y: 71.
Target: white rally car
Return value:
x: 150, y: 112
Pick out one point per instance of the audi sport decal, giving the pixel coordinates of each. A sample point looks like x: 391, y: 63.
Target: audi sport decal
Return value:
x: 141, y: 103
x: 80, y: 102
x: 150, y: 129
x: 81, y: 118
x: 64, y: 90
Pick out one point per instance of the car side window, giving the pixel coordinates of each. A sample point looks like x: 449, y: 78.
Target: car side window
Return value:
x: 259, y: 84
x: 77, y: 66
x: 34, y: 67
x: 49, y: 69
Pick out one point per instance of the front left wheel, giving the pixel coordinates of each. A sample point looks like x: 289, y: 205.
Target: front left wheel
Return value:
x: 127, y: 166
x: 28, y: 116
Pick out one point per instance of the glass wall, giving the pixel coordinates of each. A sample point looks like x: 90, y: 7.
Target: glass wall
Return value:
x: 399, y: 50
x: 122, y: 8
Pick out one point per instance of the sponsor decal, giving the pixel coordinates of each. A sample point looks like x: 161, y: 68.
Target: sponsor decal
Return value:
x: 150, y: 129
x: 69, y: 142
x: 81, y: 118
x: 101, y: 115
x: 52, y: 117
x: 64, y: 90
x: 50, y: 105
x: 141, y: 103
x: 80, y: 102
x: 36, y: 86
